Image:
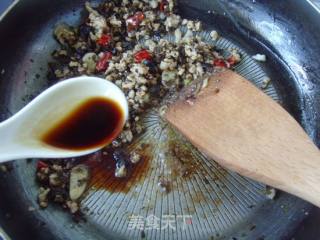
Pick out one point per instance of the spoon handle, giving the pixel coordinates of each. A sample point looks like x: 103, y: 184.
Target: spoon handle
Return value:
x: 10, y: 148
x: 246, y: 131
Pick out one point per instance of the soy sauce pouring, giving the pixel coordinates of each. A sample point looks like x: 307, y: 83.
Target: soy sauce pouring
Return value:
x: 72, y: 118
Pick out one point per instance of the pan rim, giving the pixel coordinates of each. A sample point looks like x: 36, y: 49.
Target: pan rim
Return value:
x: 11, y: 6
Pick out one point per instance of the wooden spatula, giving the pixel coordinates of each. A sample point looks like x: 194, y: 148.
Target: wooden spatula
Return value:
x: 236, y: 124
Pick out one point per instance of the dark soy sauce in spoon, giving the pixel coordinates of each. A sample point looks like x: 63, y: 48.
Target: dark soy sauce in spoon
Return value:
x: 95, y: 123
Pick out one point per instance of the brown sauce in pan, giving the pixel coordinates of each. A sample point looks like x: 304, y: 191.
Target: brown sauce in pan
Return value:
x: 94, y: 123
x: 103, y: 167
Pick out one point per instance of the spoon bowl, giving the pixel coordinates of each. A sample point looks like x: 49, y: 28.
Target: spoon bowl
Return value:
x: 21, y: 134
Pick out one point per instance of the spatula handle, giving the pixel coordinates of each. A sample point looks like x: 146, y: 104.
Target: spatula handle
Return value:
x: 302, y: 178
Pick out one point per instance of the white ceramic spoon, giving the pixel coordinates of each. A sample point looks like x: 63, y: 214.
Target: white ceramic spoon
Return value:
x: 21, y: 134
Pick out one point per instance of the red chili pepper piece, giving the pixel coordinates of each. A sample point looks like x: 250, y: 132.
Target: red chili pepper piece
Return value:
x: 142, y: 55
x: 139, y: 16
x: 134, y: 21
x: 103, y: 62
x: 104, y: 39
x: 163, y: 4
x: 219, y: 63
x: 41, y: 164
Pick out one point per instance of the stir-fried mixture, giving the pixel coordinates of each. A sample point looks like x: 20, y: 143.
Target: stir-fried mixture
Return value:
x: 127, y: 42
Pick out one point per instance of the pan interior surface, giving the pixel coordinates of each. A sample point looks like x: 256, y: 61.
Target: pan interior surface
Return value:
x: 211, y: 203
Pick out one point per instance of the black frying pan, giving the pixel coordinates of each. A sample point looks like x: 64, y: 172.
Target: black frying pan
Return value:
x: 287, y: 31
